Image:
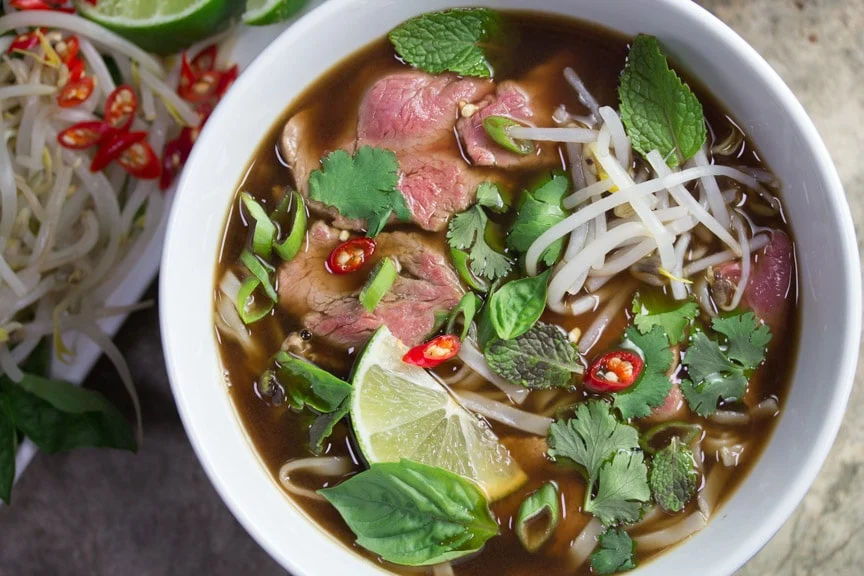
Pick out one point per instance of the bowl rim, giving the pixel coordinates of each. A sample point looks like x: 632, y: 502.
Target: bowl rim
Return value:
x: 848, y: 252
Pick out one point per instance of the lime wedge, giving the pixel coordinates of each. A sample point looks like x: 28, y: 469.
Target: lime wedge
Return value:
x: 162, y: 26
x: 401, y: 411
x: 263, y: 12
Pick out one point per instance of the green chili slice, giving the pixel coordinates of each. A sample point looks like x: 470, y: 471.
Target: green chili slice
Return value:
x: 379, y: 283
x: 466, y: 309
x: 265, y: 231
x: 498, y: 129
x: 288, y: 248
x: 460, y: 260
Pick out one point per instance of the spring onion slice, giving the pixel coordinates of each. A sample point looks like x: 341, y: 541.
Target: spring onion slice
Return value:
x: 379, y: 283
x: 467, y: 309
x: 460, y: 260
x: 498, y: 129
x: 247, y: 304
x: 540, y: 506
x: 265, y: 230
x: 261, y: 272
x: 289, y: 248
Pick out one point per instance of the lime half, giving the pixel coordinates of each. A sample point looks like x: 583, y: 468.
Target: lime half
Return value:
x: 401, y: 411
x: 263, y: 12
x: 162, y: 26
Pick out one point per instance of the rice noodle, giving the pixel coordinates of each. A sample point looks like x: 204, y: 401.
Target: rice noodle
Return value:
x: 730, y: 418
x: 320, y: 466
x: 504, y: 413
x: 585, y: 96
x: 592, y: 335
x: 766, y: 408
x: 445, y: 569
x: 673, y: 534
x: 575, y: 135
x: 730, y: 455
x: 471, y: 356
x: 585, y: 543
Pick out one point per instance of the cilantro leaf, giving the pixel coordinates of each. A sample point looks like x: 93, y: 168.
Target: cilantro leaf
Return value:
x: 540, y: 358
x: 489, y: 195
x: 747, y: 338
x: 622, y: 489
x: 657, y: 108
x: 704, y: 358
x: 467, y: 230
x: 361, y: 187
x: 649, y: 314
x: 673, y: 476
x: 447, y: 41
x: 591, y: 437
x: 703, y: 396
x: 615, y: 553
x: 540, y: 209
x: 652, y: 387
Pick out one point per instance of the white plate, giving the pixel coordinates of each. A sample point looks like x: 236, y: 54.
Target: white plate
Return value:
x: 250, y: 42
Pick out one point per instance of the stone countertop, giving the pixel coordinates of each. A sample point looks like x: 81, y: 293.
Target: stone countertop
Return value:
x: 106, y: 513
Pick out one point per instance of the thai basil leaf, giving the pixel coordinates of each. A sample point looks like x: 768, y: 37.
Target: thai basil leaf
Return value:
x: 518, y: 305
x: 413, y: 514
x: 540, y: 506
x: 322, y: 426
x: 307, y: 385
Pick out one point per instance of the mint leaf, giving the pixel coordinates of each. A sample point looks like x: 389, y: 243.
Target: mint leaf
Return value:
x: 518, y: 305
x: 447, y: 41
x: 542, y: 357
x: 673, y: 320
x: 467, y: 232
x: 540, y: 209
x: 652, y: 387
x: 747, y: 338
x: 591, y: 438
x: 658, y: 110
x: 413, y: 514
x: 615, y: 553
x: 541, y: 505
x: 361, y: 187
x: 8, y: 447
x: 673, y: 476
x: 622, y: 488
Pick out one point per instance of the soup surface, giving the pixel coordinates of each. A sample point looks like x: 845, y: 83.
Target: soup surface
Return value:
x: 677, y: 355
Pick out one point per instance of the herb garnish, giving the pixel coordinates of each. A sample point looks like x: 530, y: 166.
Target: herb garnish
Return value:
x: 413, y: 514
x: 517, y: 306
x: 448, y: 41
x: 673, y: 320
x: 615, y: 553
x: 611, y: 461
x: 652, y: 387
x: 673, y: 476
x: 362, y: 187
x: 542, y: 505
x: 657, y: 108
x: 540, y: 210
x: 718, y: 374
x: 542, y: 357
x: 467, y: 231
x: 490, y: 196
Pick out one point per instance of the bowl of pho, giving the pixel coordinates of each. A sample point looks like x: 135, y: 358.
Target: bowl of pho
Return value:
x: 558, y: 286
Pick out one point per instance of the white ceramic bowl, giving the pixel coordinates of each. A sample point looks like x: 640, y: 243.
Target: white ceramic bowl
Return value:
x: 829, y: 286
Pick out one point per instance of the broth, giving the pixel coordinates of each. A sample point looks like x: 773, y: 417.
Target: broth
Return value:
x: 280, y: 434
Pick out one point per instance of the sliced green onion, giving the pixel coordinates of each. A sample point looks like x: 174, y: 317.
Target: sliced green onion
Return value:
x: 288, y: 248
x: 379, y: 283
x: 265, y: 230
x: 498, y: 129
x: 540, y: 506
x: 440, y: 319
x: 261, y: 271
x: 248, y: 304
x: 467, y: 308
x: 460, y: 260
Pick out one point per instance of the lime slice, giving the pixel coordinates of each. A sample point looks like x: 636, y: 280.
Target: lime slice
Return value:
x: 400, y: 411
x: 263, y: 12
x: 162, y: 26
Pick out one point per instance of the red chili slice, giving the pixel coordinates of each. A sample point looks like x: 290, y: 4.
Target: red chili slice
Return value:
x: 113, y: 146
x: 350, y: 256
x: 41, y: 5
x: 227, y: 80
x: 74, y: 93
x: 205, y: 60
x: 83, y: 135
x: 203, y: 87
x: 432, y: 353
x: 76, y: 70
x: 614, y: 371
x: 173, y: 158
x: 25, y: 42
x: 120, y: 108
x: 140, y: 161
x: 187, y: 75
x: 68, y: 49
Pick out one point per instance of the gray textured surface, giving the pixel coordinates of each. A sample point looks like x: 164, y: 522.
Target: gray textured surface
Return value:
x: 103, y: 513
